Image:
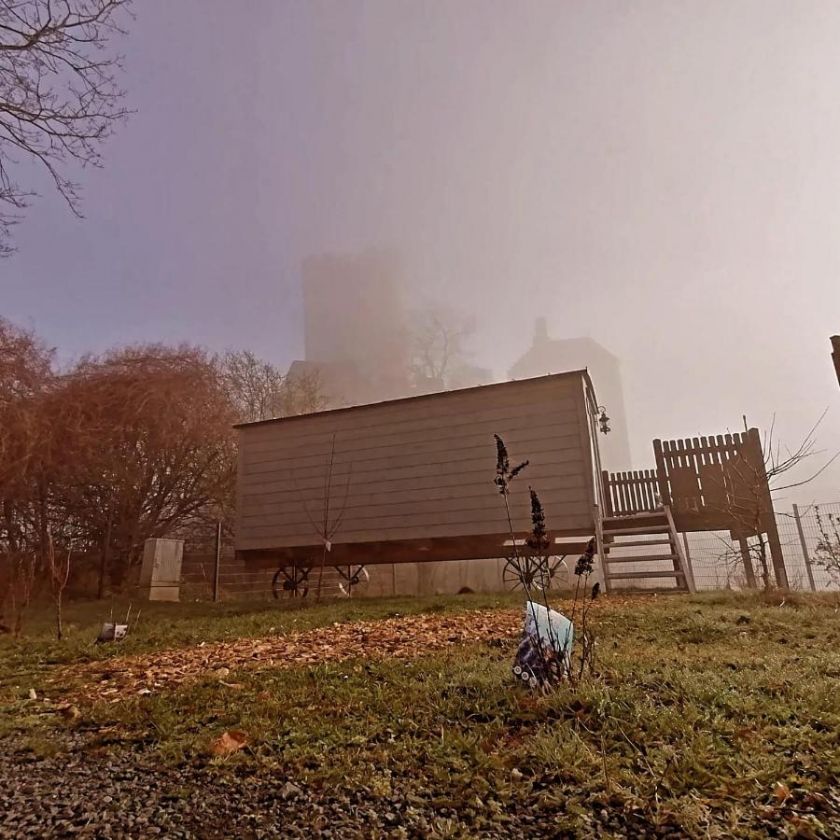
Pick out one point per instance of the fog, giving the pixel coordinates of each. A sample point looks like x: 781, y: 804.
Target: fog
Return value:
x: 662, y: 177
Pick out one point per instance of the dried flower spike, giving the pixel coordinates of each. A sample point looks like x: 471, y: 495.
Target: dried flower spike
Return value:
x: 584, y: 564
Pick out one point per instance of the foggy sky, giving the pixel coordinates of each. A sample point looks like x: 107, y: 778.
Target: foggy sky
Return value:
x: 661, y: 176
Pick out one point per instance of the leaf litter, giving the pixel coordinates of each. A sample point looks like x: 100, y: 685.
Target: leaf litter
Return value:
x: 406, y: 637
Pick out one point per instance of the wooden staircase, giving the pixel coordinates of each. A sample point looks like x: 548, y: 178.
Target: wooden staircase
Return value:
x: 642, y: 547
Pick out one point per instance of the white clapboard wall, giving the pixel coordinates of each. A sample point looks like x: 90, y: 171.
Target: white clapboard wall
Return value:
x: 419, y: 468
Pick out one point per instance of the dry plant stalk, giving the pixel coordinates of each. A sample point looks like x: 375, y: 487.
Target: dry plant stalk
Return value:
x: 532, y: 565
x: 827, y: 554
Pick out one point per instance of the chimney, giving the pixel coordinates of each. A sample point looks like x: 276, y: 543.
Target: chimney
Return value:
x: 835, y: 346
x: 540, y: 332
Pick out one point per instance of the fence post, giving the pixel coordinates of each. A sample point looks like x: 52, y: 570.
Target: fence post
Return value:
x: 607, y: 493
x: 688, y: 561
x: 661, y: 473
x: 218, y: 561
x: 805, y: 556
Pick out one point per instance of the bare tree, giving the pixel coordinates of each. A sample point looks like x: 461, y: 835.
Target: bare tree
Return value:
x: 750, y: 485
x: 147, y: 432
x: 254, y: 386
x: 303, y: 393
x: 18, y: 594
x: 59, y: 97
x: 439, y: 339
x: 25, y: 374
x: 258, y: 390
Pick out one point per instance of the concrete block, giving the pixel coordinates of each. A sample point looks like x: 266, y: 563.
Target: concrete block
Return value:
x: 160, y: 575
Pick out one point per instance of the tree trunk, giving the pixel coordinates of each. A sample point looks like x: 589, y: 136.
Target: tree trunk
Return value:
x: 105, y: 559
x: 58, y: 627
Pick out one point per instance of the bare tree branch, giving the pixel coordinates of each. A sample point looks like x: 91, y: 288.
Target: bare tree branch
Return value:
x: 438, y: 345
x: 59, y: 96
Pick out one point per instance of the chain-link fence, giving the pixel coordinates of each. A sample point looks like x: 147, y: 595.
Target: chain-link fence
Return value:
x: 238, y: 579
x: 810, y: 538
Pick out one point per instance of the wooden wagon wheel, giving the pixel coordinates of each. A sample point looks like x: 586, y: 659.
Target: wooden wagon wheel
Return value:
x: 353, y: 576
x: 526, y: 573
x: 290, y: 582
x: 554, y: 566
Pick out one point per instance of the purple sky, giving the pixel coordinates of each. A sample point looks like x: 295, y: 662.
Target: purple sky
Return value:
x: 662, y: 176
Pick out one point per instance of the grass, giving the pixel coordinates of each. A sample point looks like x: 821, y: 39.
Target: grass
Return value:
x: 711, y: 716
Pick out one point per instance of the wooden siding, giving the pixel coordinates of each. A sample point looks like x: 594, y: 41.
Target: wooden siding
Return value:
x: 419, y: 468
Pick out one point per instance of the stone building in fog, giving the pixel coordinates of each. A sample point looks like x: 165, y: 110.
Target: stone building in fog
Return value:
x: 554, y: 355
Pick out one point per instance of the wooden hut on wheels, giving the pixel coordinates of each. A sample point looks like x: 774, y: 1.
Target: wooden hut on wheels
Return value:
x: 411, y: 481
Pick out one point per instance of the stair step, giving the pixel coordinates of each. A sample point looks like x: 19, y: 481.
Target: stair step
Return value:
x: 648, y: 514
x: 640, y: 575
x: 642, y: 514
x: 649, y: 529
x: 635, y: 543
x: 646, y: 558
x: 624, y: 524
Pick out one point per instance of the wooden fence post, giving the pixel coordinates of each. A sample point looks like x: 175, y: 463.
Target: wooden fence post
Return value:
x: 688, y: 558
x: 765, y: 500
x: 607, y: 493
x: 776, y: 555
x: 805, y: 556
x: 661, y: 474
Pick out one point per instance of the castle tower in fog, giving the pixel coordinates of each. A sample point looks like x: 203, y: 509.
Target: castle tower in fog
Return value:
x: 355, y: 334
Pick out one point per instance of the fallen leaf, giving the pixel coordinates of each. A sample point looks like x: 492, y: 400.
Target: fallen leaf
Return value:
x: 229, y: 742
x: 781, y: 791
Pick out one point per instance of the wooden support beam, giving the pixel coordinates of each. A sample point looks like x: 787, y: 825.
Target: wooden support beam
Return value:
x: 405, y: 551
x: 749, y: 571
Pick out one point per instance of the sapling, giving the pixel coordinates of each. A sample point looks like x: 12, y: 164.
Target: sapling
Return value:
x: 59, y: 577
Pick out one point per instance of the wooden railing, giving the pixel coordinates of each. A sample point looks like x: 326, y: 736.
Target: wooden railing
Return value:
x: 696, y: 474
x: 626, y: 493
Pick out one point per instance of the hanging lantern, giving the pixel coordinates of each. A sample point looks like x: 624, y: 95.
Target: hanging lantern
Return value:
x: 603, y: 421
